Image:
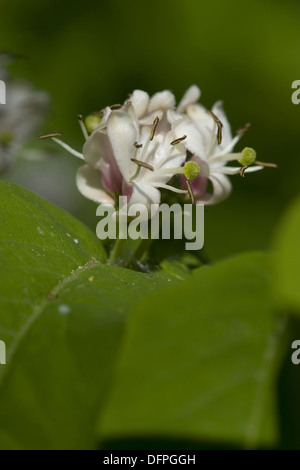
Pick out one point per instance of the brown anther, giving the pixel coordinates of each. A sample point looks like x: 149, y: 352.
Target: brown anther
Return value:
x: 244, y: 129
x: 143, y: 164
x: 153, y: 130
x: 80, y: 117
x: 138, y: 146
x: 242, y: 170
x: 219, y: 124
x: 48, y: 136
x: 177, y: 141
x: 115, y: 106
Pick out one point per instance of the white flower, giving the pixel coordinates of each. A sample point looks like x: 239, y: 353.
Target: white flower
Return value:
x: 210, y: 143
x: 135, y: 149
x: 127, y: 156
x: 19, y: 119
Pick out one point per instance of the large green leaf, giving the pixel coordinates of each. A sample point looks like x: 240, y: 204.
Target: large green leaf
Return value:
x: 62, y: 315
x: 287, y: 260
x: 200, y: 360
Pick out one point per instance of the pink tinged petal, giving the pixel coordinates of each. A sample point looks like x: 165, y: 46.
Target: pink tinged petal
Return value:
x: 191, y: 95
x: 221, y: 190
x: 140, y: 101
x: 98, y: 153
x: 194, y: 140
x: 122, y: 135
x: 162, y: 100
x: 88, y: 182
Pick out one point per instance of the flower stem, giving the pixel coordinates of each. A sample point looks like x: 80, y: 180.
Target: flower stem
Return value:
x: 116, y: 251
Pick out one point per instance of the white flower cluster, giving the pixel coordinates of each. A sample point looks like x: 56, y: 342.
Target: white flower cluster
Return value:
x: 20, y: 116
x: 135, y: 149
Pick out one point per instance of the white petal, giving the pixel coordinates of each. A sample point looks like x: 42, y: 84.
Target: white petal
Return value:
x: 224, y: 150
x: 144, y: 193
x: 148, y: 120
x: 194, y: 140
x: 252, y: 169
x: 97, y: 148
x: 232, y: 170
x: 173, y: 116
x: 88, y: 182
x: 191, y: 95
x: 140, y: 101
x: 172, y: 188
x: 229, y: 170
x: 122, y: 135
x: 199, y: 114
x: 221, y: 189
x: 162, y: 100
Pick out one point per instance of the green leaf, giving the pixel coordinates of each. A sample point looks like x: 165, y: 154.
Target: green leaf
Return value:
x: 200, y: 360
x: 62, y: 318
x: 287, y: 261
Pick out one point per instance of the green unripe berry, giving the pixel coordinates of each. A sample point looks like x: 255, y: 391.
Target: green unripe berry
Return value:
x: 92, y: 122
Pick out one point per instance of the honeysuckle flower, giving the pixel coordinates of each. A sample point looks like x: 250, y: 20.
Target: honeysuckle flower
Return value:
x: 145, y: 110
x: 210, y: 143
x: 124, y: 157
x: 19, y: 118
x: 135, y: 149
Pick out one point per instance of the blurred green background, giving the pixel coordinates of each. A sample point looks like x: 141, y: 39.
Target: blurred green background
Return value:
x: 91, y: 54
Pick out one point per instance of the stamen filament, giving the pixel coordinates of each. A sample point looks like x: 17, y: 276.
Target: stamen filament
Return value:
x: 267, y: 165
x: 82, y: 126
x: 243, y: 129
x: 190, y: 191
x: 227, y: 158
x: 68, y: 148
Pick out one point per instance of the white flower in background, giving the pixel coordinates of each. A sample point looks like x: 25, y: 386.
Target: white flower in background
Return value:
x: 19, y: 117
x: 210, y: 143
